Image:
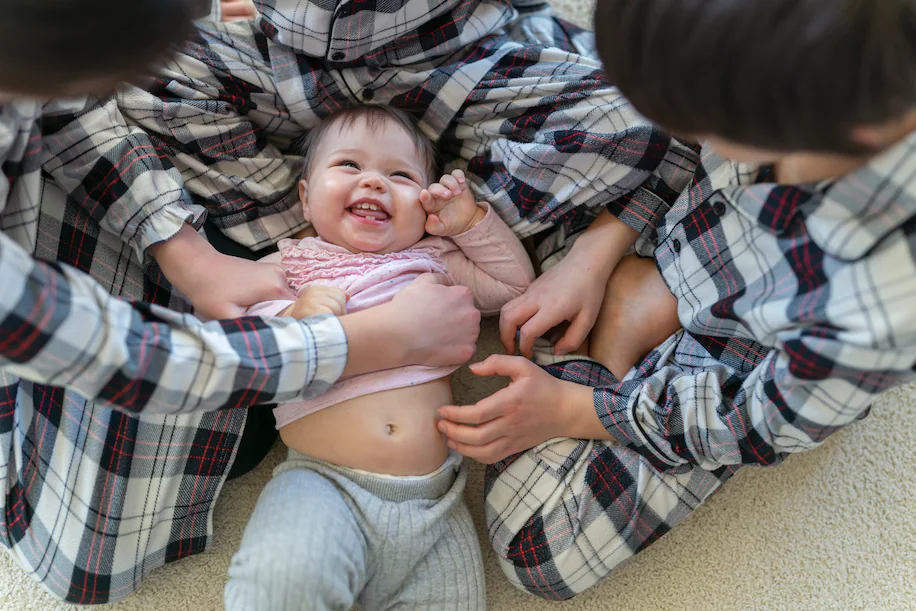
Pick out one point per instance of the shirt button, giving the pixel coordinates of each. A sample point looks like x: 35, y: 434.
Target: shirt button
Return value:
x: 338, y: 55
x: 368, y: 94
x: 719, y: 208
x: 676, y: 245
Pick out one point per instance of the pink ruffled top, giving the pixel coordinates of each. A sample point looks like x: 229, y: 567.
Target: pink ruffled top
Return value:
x: 489, y: 259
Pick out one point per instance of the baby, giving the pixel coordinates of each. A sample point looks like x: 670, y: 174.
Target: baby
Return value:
x: 368, y: 507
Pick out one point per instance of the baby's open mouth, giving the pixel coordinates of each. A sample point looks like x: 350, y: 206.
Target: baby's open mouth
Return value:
x: 368, y: 211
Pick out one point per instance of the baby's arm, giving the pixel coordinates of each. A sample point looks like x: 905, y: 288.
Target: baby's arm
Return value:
x: 482, y: 253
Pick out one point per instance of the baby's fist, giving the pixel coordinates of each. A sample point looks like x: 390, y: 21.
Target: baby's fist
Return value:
x: 450, y: 206
x: 315, y: 300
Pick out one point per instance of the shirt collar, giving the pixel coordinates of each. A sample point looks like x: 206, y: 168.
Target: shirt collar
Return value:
x: 845, y: 217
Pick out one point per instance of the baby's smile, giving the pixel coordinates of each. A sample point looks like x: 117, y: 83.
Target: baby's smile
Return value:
x: 370, y: 211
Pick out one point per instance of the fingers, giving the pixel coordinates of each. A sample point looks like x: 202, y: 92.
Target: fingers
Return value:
x: 513, y: 315
x: 451, y: 183
x: 472, y: 435
x: 485, y: 410
x: 434, y: 225
x: 536, y: 326
x: 504, y: 365
x: 575, y: 335
x: 430, y: 278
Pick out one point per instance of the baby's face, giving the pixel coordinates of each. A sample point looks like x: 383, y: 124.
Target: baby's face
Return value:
x: 363, y: 191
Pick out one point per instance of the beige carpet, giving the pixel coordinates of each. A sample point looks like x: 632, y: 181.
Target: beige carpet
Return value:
x: 830, y: 529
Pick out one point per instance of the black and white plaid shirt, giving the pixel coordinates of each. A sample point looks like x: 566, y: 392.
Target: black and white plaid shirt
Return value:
x: 94, y: 498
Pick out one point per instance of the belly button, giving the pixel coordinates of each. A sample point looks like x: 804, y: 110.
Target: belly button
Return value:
x: 390, y: 429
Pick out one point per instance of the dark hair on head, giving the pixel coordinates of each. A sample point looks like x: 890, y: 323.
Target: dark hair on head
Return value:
x: 375, y: 116
x: 46, y: 45
x: 784, y: 75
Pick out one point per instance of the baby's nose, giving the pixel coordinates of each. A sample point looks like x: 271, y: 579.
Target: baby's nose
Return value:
x: 373, y: 181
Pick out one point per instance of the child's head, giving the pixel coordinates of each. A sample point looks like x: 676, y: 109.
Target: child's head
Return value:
x: 364, y: 169
x: 767, y: 77
x: 67, y: 47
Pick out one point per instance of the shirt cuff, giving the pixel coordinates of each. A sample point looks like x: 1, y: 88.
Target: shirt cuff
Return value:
x: 615, y: 409
x: 327, y: 344
x: 162, y: 225
x: 642, y: 210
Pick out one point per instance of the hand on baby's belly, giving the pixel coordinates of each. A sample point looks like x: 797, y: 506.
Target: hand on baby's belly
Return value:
x: 392, y: 432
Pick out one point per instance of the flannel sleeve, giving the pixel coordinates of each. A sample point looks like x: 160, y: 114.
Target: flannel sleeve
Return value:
x: 813, y: 384
x: 203, y: 138
x: 644, y: 207
x: 59, y: 327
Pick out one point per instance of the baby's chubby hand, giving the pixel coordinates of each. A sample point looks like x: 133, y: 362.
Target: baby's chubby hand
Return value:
x: 451, y: 206
x: 315, y: 300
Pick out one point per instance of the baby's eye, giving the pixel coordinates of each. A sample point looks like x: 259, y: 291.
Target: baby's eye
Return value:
x: 346, y: 163
x: 404, y: 175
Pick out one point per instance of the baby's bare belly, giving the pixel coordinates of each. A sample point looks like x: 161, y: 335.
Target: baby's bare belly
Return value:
x: 391, y: 432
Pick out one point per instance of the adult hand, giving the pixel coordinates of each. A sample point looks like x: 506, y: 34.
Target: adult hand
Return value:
x: 427, y: 323
x: 572, y: 290
x: 440, y: 323
x: 534, y: 407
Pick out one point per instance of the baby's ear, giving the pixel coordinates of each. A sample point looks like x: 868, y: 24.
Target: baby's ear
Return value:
x: 304, y: 199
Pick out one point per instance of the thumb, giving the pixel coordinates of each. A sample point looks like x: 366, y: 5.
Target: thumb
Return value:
x: 503, y: 365
x: 430, y: 278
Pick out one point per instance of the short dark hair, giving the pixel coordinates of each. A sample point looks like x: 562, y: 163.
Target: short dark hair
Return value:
x: 786, y: 75
x: 48, y: 44
x: 375, y: 116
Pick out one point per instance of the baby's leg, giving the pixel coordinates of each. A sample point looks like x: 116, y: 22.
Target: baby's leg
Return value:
x: 638, y: 314
x: 302, y: 549
x: 450, y: 577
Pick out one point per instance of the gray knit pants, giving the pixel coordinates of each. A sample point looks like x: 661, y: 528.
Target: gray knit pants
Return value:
x: 323, y: 537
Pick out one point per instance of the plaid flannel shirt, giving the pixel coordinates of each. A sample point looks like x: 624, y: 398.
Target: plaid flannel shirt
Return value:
x: 92, y: 498
x: 95, y: 498
x: 796, y: 308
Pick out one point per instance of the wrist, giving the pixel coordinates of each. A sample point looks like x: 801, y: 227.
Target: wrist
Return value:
x: 605, y: 242
x: 578, y: 415
x: 474, y: 218
x: 373, y: 341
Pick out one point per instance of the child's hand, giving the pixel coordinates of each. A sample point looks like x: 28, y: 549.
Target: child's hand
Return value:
x: 450, y: 205
x: 316, y: 300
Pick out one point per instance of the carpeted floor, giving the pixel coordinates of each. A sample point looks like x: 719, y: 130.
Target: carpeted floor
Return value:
x: 830, y: 529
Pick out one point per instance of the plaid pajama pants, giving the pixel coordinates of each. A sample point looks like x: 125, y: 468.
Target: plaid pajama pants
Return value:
x: 567, y: 512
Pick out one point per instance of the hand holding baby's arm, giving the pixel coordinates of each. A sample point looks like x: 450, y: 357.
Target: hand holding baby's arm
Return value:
x: 451, y: 206
x: 316, y: 300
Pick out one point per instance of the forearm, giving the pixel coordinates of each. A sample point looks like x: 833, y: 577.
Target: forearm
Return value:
x: 604, y: 243
x: 181, y: 254
x: 59, y: 327
x: 491, y: 261
x: 373, y: 345
x: 581, y: 420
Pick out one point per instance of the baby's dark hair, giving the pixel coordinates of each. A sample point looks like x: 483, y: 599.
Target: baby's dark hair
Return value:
x: 48, y: 44
x: 784, y: 75
x: 375, y: 116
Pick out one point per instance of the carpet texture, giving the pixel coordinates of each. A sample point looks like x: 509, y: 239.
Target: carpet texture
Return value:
x: 830, y: 529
